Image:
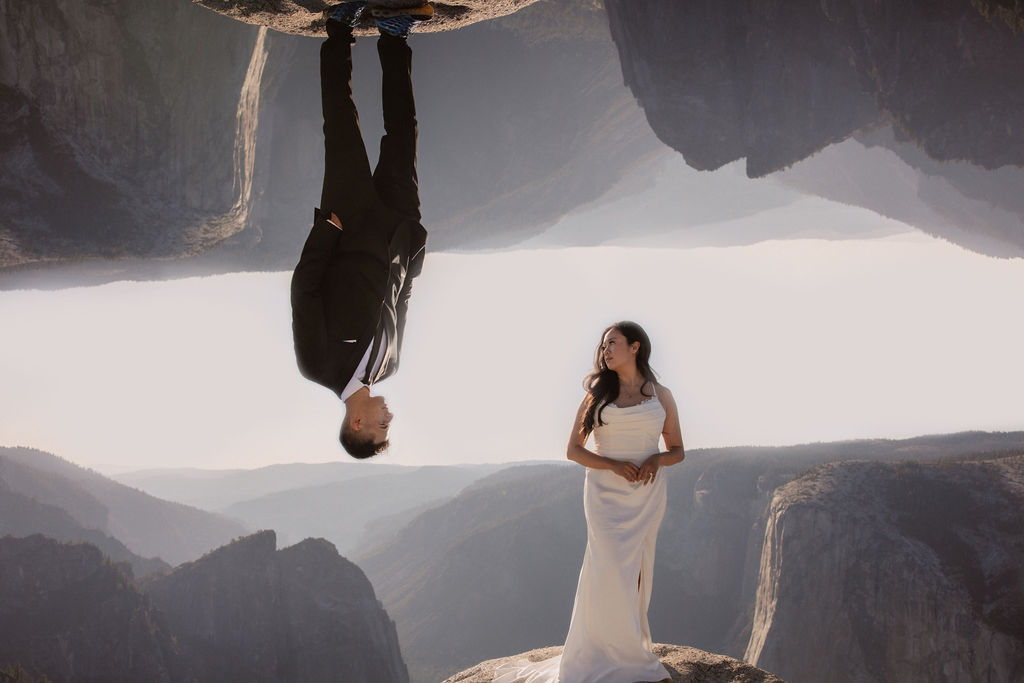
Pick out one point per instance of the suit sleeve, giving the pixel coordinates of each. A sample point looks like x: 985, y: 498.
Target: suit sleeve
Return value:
x: 308, y: 322
x: 402, y: 306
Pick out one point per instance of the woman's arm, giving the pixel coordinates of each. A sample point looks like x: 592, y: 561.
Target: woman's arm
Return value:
x: 673, y: 436
x: 577, y: 451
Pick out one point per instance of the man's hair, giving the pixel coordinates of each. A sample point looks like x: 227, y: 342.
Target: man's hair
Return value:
x: 360, y: 447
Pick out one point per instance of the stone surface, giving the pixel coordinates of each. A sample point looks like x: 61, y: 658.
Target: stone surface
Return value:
x: 68, y: 613
x: 904, y: 572
x: 686, y: 664
x: 245, y: 613
x: 304, y: 17
x: 303, y: 613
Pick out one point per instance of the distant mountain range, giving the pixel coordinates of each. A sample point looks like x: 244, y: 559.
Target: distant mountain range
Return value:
x: 337, y: 501
x: 148, y: 526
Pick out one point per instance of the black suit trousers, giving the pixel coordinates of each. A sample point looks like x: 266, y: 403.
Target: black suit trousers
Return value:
x: 391, y: 193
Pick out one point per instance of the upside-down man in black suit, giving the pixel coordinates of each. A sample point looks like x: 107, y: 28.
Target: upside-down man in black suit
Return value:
x: 350, y: 291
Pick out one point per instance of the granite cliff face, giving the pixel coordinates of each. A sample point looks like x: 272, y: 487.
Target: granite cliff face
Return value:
x: 246, y: 612
x: 256, y: 613
x: 120, y: 127
x: 68, y: 613
x: 775, y: 82
x: 907, y: 572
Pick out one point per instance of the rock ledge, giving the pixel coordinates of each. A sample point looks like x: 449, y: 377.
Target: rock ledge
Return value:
x: 686, y: 664
x: 302, y: 17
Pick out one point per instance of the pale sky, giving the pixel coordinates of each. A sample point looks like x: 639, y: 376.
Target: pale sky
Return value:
x: 777, y: 343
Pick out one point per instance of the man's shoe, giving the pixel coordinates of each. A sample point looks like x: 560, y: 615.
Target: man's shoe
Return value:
x: 347, y: 13
x: 398, y: 21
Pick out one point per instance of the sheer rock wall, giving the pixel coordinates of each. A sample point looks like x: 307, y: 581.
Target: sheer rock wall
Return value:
x: 894, y: 572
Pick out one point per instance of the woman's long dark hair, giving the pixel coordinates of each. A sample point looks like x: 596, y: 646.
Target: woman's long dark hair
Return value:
x: 602, y: 384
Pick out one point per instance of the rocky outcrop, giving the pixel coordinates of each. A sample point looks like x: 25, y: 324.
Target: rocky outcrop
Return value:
x: 256, y: 613
x: 303, y: 17
x: 148, y: 526
x: 686, y: 664
x: 244, y: 613
x: 68, y: 613
x: 894, y: 572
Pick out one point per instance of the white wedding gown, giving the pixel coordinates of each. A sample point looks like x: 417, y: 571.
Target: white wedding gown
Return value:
x: 609, y: 638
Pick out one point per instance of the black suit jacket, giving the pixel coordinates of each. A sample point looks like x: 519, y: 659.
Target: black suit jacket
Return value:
x: 344, y: 284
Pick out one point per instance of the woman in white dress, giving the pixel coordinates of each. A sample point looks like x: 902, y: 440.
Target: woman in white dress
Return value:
x: 628, y: 412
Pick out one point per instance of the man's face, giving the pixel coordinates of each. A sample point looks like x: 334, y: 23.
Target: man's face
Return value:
x: 378, y: 419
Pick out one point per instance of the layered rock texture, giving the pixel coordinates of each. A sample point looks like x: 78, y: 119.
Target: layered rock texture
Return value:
x: 115, y: 141
x: 68, y: 613
x: 776, y: 82
x: 494, y: 570
x: 894, y: 572
x: 246, y: 612
x: 303, y: 17
x: 303, y: 613
x: 686, y: 664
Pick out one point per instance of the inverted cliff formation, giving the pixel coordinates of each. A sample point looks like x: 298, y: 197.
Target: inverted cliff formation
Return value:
x: 776, y: 82
x: 894, y: 572
x: 303, y: 17
x: 192, y: 143
x: 123, y: 150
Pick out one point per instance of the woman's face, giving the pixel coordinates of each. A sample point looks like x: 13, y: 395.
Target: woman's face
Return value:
x: 617, y: 352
